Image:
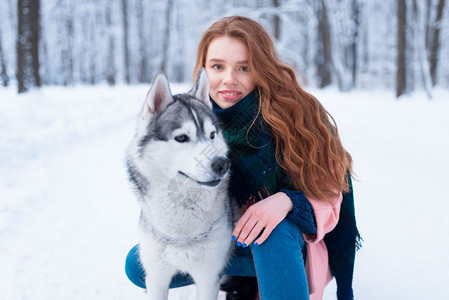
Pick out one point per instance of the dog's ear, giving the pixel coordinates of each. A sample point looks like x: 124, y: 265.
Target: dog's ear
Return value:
x: 158, y: 97
x: 201, y: 88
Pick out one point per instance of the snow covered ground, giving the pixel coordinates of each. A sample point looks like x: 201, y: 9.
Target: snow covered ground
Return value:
x: 68, y: 216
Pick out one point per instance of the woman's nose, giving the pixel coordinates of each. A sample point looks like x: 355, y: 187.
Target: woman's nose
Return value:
x: 229, y: 77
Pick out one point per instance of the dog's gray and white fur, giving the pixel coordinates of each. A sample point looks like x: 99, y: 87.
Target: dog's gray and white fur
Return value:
x: 178, y: 166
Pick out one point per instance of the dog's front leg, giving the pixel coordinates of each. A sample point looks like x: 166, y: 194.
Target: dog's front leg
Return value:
x: 158, y: 273
x: 157, y: 285
x: 207, y: 284
x: 157, y: 279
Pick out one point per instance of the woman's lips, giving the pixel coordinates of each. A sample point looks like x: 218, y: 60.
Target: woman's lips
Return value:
x: 230, y: 94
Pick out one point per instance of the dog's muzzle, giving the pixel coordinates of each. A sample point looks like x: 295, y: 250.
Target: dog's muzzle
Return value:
x: 220, y: 166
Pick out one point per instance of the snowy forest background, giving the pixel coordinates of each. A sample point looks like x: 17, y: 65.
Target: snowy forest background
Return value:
x: 401, y: 45
x: 68, y: 216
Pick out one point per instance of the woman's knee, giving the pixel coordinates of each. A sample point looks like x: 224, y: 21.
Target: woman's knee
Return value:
x: 286, y: 232
x: 133, y: 268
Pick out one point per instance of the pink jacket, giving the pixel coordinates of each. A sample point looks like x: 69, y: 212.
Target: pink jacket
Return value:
x: 317, y: 262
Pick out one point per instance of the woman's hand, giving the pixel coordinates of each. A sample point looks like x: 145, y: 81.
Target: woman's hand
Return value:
x: 264, y: 215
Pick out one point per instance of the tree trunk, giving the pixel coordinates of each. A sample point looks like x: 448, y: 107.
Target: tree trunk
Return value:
x: 323, y: 58
x: 166, y: 45
x: 355, y: 41
x: 110, y: 62
x: 93, y: 48
x: 35, y: 28
x: 419, y: 40
x: 28, y: 45
x: 401, y: 72
x: 67, y: 37
x: 435, y: 46
x: 142, y: 29
x: 126, y: 41
x: 3, y: 73
x: 179, y: 63
x: 276, y: 22
x: 428, y: 22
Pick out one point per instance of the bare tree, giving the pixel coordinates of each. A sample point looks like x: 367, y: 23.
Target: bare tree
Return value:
x: 428, y: 22
x: 28, y: 45
x: 166, y: 38
x: 354, y: 43
x: 93, y: 51
x: 126, y: 56
x: 142, y: 26
x: 419, y: 43
x: 401, y: 71
x: 3, y: 73
x: 179, y: 41
x: 66, y: 36
x: 110, y: 64
x: 435, y: 45
x: 323, y: 56
x: 276, y: 21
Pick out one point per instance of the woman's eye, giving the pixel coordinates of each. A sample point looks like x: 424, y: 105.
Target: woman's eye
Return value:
x: 182, y: 138
x: 212, y: 135
x: 217, y: 67
x: 244, y: 69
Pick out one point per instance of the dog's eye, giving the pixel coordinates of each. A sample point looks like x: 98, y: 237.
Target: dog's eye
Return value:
x: 212, y: 135
x: 183, y: 138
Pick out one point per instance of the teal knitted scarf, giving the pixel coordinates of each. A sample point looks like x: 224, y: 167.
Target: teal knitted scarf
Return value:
x: 251, y: 151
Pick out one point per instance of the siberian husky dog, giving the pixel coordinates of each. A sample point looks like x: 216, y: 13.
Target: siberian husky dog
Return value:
x: 179, y: 169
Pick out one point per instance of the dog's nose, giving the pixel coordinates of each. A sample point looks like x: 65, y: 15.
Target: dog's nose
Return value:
x: 220, y: 165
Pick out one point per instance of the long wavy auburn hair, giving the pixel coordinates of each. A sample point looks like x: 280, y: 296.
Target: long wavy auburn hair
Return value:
x: 308, y: 147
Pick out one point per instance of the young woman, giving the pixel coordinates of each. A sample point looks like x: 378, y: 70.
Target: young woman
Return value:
x: 290, y: 172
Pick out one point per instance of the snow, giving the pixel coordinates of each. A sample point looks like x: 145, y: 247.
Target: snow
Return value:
x: 68, y: 216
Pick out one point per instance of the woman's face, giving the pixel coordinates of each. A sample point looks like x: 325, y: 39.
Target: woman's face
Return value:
x: 227, y: 70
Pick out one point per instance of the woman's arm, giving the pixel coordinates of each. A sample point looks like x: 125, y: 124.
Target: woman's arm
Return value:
x: 302, y: 213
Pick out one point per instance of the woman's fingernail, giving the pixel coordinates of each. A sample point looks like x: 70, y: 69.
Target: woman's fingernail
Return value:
x: 239, y: 244
x: 233, y: 237
x: 244, y: 245
x: 256, y: 244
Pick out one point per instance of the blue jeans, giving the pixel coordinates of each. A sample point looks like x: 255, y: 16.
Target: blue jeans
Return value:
x: 278, y: 265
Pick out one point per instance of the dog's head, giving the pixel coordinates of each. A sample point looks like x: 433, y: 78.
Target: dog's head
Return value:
x: 178, y: 136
